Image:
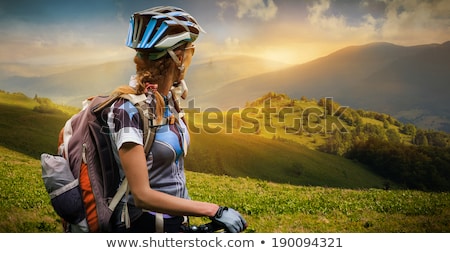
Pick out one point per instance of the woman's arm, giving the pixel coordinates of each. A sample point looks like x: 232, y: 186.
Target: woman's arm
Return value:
x: 135, y: 167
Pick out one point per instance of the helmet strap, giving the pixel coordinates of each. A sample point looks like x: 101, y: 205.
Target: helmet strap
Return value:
x: 177, y: 61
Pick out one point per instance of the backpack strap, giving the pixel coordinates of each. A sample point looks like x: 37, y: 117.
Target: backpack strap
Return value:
x: 149, y: 132
x: 144, y: 112
x: 123, y: 188
x: 149, y: 136
x: 108, y: 102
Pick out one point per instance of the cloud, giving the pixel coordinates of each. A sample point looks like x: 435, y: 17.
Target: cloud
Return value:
x: 232, y: 44
x: 328, y: 23
x: 317, y: 16
x: 298, y: 31
x: 397, y: 21
x: 259, y: 9
x: 417, y: 20
x: 27, y: 48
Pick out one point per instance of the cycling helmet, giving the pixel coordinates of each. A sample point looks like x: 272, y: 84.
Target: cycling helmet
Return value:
x: 159, y: 30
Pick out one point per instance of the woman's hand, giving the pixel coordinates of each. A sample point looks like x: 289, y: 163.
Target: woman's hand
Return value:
x: 230, y: 219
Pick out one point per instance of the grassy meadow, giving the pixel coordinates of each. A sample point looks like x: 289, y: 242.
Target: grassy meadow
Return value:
x: 268, y: 207
x: 279, y: 185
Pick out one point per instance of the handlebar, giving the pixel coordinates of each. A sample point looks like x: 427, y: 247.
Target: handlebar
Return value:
x: 204, y: 228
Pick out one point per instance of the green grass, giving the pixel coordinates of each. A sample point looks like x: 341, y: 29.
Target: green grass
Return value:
x: 268, y: 207
x: 24, y: 202
x: 271, y: 207
x: 17, y: 100
x: 276, y: 161
x: 28, y: 131
x: 245, y: 155
x: 278, y: 184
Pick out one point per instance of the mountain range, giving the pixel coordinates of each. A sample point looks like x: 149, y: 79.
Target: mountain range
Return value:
x: 410, y: 83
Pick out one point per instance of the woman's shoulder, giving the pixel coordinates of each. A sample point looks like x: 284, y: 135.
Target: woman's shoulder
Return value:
x: 123, y: 104
x: 127, y: 105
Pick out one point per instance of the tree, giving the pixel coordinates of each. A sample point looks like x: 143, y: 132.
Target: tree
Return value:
x: 393, y: 136
x: 408, y: 129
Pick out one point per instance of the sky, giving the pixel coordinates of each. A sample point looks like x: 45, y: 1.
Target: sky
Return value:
x: 49, y: 36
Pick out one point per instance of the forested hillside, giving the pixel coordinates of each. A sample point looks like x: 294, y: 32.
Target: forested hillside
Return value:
x: 412, y: 157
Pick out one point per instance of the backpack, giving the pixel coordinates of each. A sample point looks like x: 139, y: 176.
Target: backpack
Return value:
x: 83, y: 179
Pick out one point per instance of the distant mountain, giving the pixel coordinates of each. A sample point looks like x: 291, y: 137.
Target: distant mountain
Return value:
x: 71, y: 87
x: 217, y: 74
x: 411, y: 83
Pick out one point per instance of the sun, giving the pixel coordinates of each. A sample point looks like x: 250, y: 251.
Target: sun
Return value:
x: 289, y: 55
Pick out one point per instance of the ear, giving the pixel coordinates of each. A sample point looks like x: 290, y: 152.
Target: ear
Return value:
x: 180, y: 57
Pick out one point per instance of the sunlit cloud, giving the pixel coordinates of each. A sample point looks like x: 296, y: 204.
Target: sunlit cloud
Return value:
x: 403, y: 21
x: 335, y: 27
x: 415, y: 21
x: 259, y: 9
x: 318, y: 18
x: 291, y: 32
x: 232, y: 44
x: 29, y: 48
x: 327, y: 27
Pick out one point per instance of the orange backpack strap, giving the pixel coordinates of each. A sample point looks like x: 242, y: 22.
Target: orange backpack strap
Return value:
x: 60, y: 150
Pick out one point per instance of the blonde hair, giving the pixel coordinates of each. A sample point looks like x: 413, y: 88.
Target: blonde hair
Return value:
x: 155, y: 72
x: 152, y: 71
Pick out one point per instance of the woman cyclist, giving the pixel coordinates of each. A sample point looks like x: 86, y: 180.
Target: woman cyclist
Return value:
x: 158, y: 201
